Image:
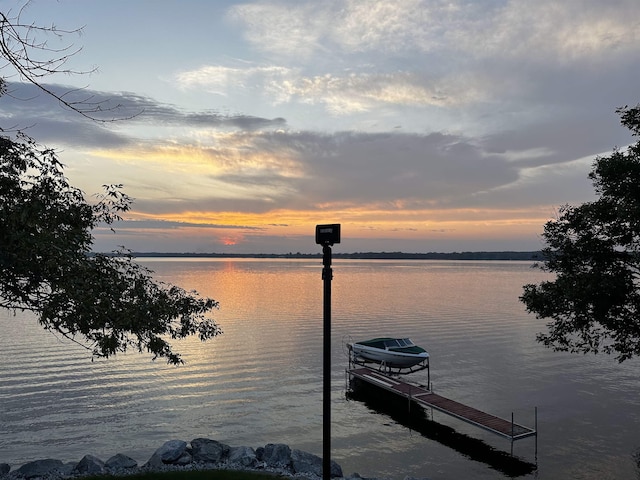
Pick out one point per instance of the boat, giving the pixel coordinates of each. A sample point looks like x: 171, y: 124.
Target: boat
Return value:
x: 390, y: 352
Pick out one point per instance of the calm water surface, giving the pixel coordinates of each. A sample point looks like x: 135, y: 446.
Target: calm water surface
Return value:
x: 261, y: 382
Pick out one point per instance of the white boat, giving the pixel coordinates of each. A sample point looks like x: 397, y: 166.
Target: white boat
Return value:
x: 391, y: 352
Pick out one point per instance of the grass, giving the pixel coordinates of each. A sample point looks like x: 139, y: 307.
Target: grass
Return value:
x: 192, y: 475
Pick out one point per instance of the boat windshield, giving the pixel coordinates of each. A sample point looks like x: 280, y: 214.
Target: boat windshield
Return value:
x: 398, y: 342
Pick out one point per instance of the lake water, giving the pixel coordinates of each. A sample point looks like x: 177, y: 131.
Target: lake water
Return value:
x: 261, y: 381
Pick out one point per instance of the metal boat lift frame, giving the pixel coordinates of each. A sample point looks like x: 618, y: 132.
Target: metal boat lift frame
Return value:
x: 389, y: 369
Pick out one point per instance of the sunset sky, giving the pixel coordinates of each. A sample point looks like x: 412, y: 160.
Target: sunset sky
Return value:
x: 417, y: 125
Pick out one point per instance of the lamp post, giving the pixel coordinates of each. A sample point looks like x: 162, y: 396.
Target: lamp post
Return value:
x: 326, y: 235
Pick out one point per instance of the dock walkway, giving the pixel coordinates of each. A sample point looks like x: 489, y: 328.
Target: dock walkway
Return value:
x: 423, y: 396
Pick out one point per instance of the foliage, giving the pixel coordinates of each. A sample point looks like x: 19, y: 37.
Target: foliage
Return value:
x: 594, y: 251
x: 106, y: 303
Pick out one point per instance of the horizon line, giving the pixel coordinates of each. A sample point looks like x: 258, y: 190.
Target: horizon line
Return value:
x: 470, y: 254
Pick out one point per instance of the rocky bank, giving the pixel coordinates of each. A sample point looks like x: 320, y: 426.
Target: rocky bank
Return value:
x: 199, y: 454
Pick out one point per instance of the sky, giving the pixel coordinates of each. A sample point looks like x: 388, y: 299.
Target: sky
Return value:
x: 418, y: 125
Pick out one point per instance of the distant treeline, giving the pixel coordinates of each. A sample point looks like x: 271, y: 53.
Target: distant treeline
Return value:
x: 534, y: 256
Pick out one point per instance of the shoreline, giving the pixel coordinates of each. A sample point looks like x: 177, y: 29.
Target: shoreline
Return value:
x: 176, y: 455
x: 534, y: 256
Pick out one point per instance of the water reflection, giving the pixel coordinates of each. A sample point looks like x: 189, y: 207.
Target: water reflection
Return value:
x: 416, y: 418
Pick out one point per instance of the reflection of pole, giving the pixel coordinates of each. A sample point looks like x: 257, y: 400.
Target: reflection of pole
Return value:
x: 327, y: 275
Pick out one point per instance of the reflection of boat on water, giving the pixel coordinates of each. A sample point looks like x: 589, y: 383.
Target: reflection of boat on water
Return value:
x: 389, y: 352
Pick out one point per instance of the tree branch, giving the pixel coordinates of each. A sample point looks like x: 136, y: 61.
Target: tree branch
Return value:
x: 19, y: 46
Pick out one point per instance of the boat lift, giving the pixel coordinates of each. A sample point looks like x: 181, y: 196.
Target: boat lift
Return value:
x: 383, y: 367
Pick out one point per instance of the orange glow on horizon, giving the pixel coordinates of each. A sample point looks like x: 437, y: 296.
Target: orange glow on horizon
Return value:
x: 362, y: 223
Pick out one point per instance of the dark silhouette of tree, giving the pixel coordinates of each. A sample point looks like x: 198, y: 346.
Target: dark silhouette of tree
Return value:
x: 106, y: 303
x: 594, y: 251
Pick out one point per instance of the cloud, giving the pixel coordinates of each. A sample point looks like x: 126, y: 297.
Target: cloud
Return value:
x: 340, y: 94
x: 219, y: 79
x: 267, y: 171
x: 351, y: 56
x: 42, y: 116
x: 569, y: 30
x: 306, y: 29
x: 291, y: 29
x: 127, y: 225
x: 205, y: 162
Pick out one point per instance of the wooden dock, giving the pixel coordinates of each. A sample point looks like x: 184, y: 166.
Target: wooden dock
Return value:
x: 423, y: 396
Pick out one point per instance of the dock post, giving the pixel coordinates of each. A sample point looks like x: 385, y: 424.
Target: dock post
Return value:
x: 512, y: 433
x: 535, y: 409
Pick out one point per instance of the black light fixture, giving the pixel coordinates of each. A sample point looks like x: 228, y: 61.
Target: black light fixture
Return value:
x: 328, y: 234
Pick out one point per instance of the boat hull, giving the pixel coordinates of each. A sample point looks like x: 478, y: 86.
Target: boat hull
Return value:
x: 388, y: 357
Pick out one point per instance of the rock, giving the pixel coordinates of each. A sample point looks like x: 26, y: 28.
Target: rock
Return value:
x: 185, y: 459
x: 120, y: 462
x: 90, y: 464
x: 40, y: 468
x: 154, y: 463
x: 208, y: 451
x: 335, y: 470
x: 67, y: 470
x: 277, y: 455
x: 244, y: 456
x: 415, y: 478
x: 172, y: 452
x: 308, y: 463
x: 304, y: 462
